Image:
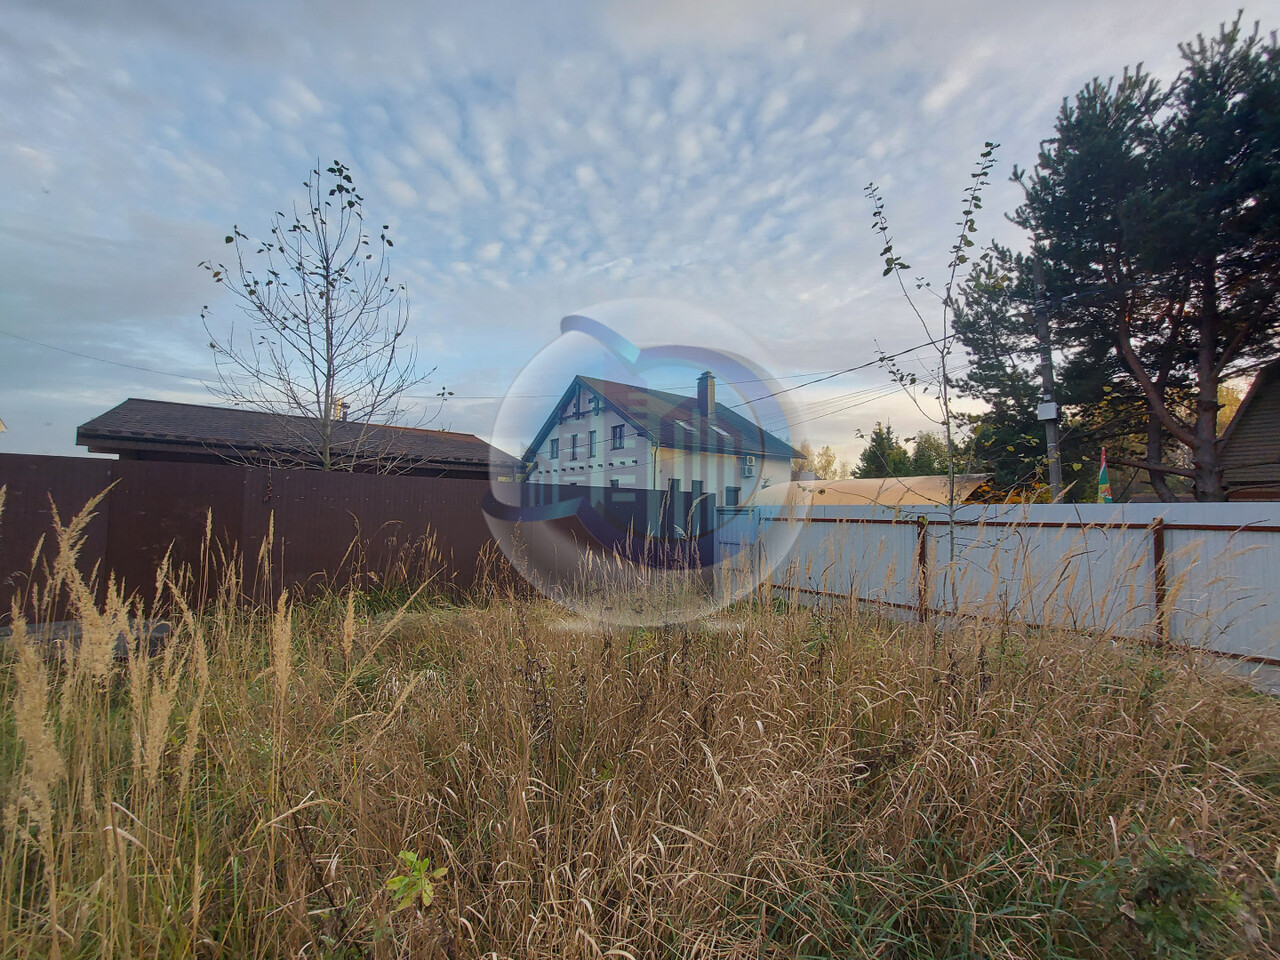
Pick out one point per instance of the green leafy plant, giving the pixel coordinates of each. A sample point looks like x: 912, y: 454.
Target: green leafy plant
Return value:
x: 418, y: 886
x: 1172, y: 900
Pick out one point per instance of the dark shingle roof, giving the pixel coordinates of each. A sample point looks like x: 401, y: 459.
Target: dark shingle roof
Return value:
x: 240, y: 433
x: 663, y: 416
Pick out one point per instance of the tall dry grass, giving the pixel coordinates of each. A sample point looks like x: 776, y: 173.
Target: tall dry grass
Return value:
x: 778, y: 782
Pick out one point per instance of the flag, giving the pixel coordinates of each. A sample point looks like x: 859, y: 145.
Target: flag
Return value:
x: 1104, y: 482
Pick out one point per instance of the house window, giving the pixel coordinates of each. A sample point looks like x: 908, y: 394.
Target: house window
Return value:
x: 573, y: 447
x: 591, y: 444
x: 615, y: 483
x: 732, y: 495
x: 555, y: 450
x: 674, y: 486
x: 619, y: 436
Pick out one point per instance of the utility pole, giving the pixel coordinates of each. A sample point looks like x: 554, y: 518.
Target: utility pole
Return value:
x: 1047, y: 411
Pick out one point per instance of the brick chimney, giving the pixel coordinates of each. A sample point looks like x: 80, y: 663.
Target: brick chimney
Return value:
x: 707, y: 394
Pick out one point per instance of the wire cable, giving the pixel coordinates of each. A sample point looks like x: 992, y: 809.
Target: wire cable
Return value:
x: 114, y: 363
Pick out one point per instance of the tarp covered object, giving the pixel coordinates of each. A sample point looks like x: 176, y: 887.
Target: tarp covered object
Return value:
x: 887, y: 491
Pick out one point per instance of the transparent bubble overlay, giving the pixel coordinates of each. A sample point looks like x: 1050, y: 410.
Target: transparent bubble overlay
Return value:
x: 636, y: 556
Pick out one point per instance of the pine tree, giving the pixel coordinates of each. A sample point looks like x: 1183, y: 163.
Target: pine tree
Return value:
x: 884, y: 456
x: 1156, y: 216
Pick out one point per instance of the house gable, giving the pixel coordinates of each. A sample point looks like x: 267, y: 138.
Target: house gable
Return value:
x: 1251, y: 443
x: 557, y: 415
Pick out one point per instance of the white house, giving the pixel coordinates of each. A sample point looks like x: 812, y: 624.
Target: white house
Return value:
x: 603, y: 433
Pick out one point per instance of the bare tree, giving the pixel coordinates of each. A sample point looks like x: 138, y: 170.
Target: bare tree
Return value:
x: 941, y: 336
x: 327, y: 346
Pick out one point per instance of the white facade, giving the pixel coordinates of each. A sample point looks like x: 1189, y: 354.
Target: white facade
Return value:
x: 591, y: 445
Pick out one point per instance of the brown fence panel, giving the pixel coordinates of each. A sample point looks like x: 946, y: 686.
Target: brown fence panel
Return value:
x: 35, y: 485
x: 325, y: 528
x: 331, y: 527
x: 166, y: 507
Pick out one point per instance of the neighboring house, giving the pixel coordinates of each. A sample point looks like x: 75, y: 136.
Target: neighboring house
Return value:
x: 192, y: 433
x: 603, y: 434
x: 1250, y: 446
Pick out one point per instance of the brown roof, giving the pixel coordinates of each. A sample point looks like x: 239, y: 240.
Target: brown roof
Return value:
x: 673, y: 421
x: 140, y: 424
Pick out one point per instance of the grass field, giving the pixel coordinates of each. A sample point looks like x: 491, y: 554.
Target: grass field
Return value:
x: 352, y: 777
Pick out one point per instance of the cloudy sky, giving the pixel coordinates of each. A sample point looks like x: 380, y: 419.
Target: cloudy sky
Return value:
x: 532, y: 160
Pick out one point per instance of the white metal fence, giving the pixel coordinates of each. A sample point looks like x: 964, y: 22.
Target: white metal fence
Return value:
x: 1201, y: 574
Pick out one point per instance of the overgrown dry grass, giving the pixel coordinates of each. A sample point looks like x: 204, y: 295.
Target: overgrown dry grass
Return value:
x: 778, y: 783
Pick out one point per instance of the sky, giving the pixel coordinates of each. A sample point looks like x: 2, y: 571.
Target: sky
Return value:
x: 532, y: 161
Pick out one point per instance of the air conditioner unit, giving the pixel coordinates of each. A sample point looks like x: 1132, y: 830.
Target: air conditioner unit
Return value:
x: 751, y: 461
x: 748, y: 471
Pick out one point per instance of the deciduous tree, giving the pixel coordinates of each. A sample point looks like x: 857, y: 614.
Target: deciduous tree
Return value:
x: 823, y: 463
x: 327, y: 338
x: 929, y: 455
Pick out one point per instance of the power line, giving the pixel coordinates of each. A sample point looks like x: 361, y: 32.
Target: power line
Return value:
x: 114, y: 363
x: 553, y: 396
x: 864, y: 396
x: 818, y: 376
x: 888, y: 391
x: 862, y: 366
x: 832, y: 404
x: 859, y: 396
x: 875, y: 393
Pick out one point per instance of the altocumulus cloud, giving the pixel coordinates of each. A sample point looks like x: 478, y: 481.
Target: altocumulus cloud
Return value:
x: 530, y: 160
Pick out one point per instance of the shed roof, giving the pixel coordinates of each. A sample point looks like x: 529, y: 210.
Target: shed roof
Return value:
x: 162, y: 425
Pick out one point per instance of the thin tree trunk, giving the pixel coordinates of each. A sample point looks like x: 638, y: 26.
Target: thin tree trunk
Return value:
x: 1208, y: 470
x: 1155, y: 454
